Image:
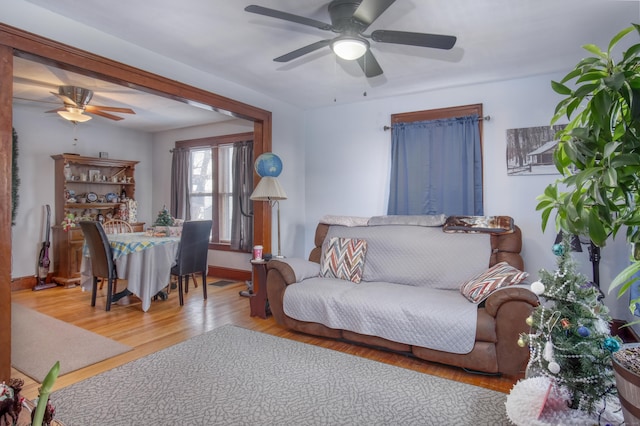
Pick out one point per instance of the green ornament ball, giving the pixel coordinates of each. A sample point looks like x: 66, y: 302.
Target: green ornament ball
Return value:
x: 558, y: 249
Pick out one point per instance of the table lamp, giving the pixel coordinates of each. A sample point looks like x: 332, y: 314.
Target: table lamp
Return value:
x: 269, y: 166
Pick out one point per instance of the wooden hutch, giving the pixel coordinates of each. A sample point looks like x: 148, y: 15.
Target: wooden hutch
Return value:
x: 86, y: 187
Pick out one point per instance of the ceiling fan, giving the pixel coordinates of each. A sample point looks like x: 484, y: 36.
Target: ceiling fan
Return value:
x: 349, y: 19
x: 76, y: 102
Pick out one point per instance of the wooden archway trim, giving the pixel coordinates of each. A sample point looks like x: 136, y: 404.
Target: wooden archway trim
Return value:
x: 14, y: 41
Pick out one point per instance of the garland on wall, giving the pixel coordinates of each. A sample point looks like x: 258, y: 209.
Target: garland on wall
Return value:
x: 15, y: 179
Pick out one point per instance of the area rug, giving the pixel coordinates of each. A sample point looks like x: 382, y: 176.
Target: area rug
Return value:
x: 234, y: 376
x: 222, y: 283
x: 38, y: 341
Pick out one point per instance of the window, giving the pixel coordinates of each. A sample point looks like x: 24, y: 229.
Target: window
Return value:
x: 213, y: 186
x: 436, y: 162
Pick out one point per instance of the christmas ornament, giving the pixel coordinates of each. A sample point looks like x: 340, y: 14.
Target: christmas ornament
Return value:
x: 554, y: 367
x: 521, y: 342
x: 558, y: 249
x: 611, y: 344
x: 583, y: 331
x: 548, y: 351
x: 565, y: 323
x: 537, y: 288
x: 529, y: 321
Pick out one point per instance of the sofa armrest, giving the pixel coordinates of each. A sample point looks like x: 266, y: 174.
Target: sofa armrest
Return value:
x: 508, y: 294
x: 294, y: 269
x: 510, y: 307
x: 280, y: 274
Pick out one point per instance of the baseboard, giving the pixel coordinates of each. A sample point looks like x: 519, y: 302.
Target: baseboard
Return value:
x: 229, y: 273
x: 29, y: 282
x: 26, y: 283
x: 23, y: 283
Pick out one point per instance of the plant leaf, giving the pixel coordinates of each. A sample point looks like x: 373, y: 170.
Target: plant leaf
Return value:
x: 560, y: 88
x: 625, y: 276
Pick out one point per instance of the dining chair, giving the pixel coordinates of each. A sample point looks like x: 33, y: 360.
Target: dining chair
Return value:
x: 117, y: 226
x: 102, y: 264
x: 192, y: 254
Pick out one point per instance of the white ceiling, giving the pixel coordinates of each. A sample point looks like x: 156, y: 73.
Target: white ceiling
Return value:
x: 497, y: 40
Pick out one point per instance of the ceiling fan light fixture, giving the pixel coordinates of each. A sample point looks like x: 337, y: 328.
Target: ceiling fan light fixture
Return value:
x: 74, y: 114
x: 349, y: 48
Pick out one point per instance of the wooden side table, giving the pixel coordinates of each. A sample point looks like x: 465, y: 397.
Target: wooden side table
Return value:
x: 258, y: 301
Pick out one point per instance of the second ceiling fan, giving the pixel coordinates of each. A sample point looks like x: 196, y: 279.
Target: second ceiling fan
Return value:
x: 349, y: 19
x: 76, y: 102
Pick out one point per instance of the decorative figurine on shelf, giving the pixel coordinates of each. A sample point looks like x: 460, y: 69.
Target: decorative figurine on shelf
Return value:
x: 68, y: 174
x: 123, y: 213
x: 68, y: 222
x: 132, y: 208
x: 164, y: 218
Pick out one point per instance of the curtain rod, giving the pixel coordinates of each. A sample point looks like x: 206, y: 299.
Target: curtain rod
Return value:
x: 188, y: 148
x: 485, y: 118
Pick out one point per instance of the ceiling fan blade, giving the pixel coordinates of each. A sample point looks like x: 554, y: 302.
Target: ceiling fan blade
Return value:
x: 370, y: 10
x: 369, y: 64
x: 35, y: 100
x: 57, y: 109
x: 65, y: 99
x: 435, y: 41
x: 106, y: 115
x: 94, y: 108
x: 303, y: 51
x: 287, y: 17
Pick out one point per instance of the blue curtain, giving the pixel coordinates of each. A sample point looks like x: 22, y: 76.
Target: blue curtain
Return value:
x: 436, y: 167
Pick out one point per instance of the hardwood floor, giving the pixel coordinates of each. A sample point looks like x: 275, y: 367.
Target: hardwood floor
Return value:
x: 166, y: 323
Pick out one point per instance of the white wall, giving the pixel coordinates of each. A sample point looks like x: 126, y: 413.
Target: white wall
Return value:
x: 348, y: 163
x: 42, y: 135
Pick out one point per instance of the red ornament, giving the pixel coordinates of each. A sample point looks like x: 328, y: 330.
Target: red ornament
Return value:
x: 565, y: 323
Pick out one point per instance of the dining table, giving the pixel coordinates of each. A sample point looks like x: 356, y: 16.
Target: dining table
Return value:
x: 143, y: 260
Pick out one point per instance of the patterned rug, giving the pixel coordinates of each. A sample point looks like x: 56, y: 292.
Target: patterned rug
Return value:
x: 234, y: 376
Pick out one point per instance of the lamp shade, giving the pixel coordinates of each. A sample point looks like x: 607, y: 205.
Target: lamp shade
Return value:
x: 349, y: 48
x: 268, y: 189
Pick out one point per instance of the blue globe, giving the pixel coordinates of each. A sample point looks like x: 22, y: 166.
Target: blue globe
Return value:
x: 268, y: 164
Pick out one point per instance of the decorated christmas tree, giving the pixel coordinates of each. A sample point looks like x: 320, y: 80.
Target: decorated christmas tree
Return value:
x: 164, y: 218
x: 570, y: 340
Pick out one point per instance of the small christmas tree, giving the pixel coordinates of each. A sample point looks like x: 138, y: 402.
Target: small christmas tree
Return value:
x: 570, y: 340
x: 164, y: 218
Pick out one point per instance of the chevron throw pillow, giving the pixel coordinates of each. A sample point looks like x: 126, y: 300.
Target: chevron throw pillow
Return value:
x: 343, y: 258
x: 482, y: 285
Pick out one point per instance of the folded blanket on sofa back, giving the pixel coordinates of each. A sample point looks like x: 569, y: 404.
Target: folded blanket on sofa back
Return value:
x: 418, y: 255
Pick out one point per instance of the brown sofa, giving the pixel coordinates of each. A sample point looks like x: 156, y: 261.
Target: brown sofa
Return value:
x: 500, y: 318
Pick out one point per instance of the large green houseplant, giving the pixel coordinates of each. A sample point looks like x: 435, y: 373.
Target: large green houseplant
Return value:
x: 598, y: 155
x: 598, y: 152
